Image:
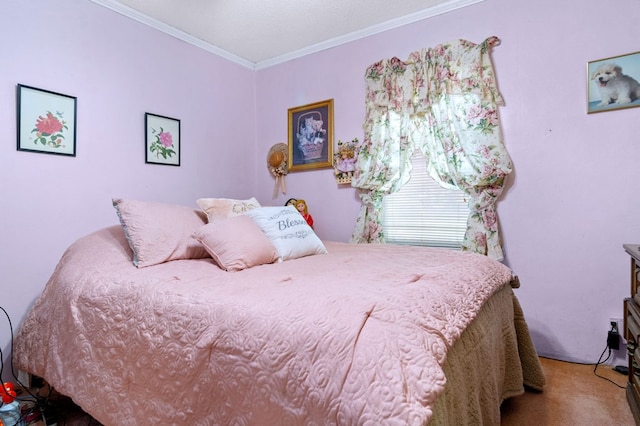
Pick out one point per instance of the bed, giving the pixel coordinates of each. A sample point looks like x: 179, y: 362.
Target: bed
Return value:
x: 351, y: 334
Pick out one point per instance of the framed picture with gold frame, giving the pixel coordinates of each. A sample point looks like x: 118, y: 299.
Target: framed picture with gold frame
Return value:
x: 311, y: 136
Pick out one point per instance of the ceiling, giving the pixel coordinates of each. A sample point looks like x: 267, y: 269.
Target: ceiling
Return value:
x: 260, y: 33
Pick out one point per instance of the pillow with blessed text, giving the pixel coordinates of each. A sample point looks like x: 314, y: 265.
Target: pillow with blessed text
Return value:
x: 288, y: 231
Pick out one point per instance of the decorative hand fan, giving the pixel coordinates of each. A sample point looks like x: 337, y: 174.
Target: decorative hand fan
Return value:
x: 277, y: 165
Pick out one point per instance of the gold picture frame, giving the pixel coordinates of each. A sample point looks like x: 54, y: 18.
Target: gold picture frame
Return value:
x: 310, y: 138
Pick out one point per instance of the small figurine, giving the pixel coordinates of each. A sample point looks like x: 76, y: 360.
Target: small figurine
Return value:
x: 347, y: 161
x: 344, y: 160
x: 301, y: 205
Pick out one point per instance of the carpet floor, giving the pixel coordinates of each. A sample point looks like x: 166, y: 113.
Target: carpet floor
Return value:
x: 573, y: 395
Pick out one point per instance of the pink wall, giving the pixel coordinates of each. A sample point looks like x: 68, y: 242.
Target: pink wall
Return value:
x: 118, y: 69
x: 571, y: 201
x: 569, y: 205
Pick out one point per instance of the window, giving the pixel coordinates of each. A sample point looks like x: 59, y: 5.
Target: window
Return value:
x: 423, y: 213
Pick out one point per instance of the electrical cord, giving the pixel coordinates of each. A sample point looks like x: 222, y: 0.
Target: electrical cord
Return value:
x: 13, y: 372
x: 39, y: 403
x: 598, y: 363
x: 601, y: 361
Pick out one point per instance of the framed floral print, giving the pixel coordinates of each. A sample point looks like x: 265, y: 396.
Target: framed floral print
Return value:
x: 162, y: 136
x: 46, y: 121
x: 311, y: 136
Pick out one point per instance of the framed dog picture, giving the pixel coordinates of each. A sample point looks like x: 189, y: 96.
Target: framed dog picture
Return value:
x: 613, y: 83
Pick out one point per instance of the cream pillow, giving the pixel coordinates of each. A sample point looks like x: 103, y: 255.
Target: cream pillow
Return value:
x: 158, y: 232
x: 288, y: 231
x: 223, y: 208
x: 236, y: 243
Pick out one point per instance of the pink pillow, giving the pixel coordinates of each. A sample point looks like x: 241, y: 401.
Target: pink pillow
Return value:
x: 223, y: 208
x: 158, y: 233
x: 236, y: 243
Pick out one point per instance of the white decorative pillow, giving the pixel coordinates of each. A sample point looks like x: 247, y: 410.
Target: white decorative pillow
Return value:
x: 223, y: 208
x: 158, y: 232
x: 236, y: 243
x: 288, y: 231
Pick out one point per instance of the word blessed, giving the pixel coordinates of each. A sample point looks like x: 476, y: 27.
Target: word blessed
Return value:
x: 289, y: 222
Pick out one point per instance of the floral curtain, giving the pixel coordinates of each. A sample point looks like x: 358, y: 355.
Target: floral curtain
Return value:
x: 443, y: 101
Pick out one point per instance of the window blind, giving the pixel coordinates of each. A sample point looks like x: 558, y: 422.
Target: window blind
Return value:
x: 423, y: 213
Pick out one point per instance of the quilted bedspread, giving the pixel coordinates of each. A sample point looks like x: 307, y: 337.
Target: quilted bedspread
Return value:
x: 356, y: 336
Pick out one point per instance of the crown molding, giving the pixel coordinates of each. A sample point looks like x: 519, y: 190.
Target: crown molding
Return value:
x: 167, y: 29
x: 366, y: 32
x: 356, y: 35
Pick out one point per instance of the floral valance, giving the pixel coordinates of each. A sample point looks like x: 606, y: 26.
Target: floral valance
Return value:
x: 444, y: 102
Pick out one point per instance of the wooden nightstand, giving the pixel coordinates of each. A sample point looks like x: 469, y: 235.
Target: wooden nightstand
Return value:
x: 632, y: 331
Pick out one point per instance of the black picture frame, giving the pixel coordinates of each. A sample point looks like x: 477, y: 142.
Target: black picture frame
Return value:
x: 46, y: 121
x: 162, y: 140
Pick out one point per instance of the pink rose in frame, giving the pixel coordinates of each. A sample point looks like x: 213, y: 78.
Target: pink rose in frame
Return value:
x: 162, y: 140
x: 48, y: 125
x: 46, y: 121
x: 165, y: 139
x: 163, y: 144
x: 49, y: 130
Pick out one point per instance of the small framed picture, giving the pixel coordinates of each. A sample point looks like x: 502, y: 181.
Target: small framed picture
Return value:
x: 46, y: 121
x: 162, y: 143
x: 613, y: 83
x: 311, y: 136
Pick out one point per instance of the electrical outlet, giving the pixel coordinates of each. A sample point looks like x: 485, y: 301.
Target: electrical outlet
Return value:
x: 614, y: 325
x: 619, y: 325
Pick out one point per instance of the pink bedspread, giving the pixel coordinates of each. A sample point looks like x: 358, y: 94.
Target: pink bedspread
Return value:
x: 356, y: 336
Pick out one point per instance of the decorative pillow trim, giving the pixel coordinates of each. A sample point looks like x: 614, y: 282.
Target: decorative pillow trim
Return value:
x: 125, y: 228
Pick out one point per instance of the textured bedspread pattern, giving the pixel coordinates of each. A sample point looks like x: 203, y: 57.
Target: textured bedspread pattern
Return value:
x: 355, y: 336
